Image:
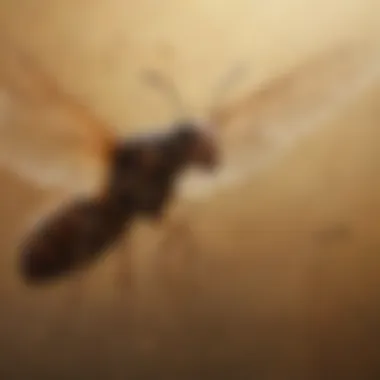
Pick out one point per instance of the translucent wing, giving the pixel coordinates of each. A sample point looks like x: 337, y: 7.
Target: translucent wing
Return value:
x: 45, y: 136
x: 262, y: 125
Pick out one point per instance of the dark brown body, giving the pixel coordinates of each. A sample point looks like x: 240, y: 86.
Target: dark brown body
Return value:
x: 71, y: 238
x: 141, y: 183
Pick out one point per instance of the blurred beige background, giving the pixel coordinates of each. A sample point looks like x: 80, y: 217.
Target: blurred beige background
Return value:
x: 283, y: 277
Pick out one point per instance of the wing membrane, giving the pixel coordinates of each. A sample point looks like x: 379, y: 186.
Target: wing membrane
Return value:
x: 45, y: 135
x: 260, y: 126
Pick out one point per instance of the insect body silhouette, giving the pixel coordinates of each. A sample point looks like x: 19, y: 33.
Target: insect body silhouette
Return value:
x: 140, y: 172
x: 140, y: 180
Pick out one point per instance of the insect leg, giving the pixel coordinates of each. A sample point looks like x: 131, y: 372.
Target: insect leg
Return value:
x: 177, y: 250
x: 123, y: 263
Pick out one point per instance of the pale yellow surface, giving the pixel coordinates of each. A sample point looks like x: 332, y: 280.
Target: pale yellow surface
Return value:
x: 283, y: 281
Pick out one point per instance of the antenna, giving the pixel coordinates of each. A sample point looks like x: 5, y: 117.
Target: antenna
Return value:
x: 156, y: 80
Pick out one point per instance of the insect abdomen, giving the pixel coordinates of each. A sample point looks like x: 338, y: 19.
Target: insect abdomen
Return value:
x: 67, y: 240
